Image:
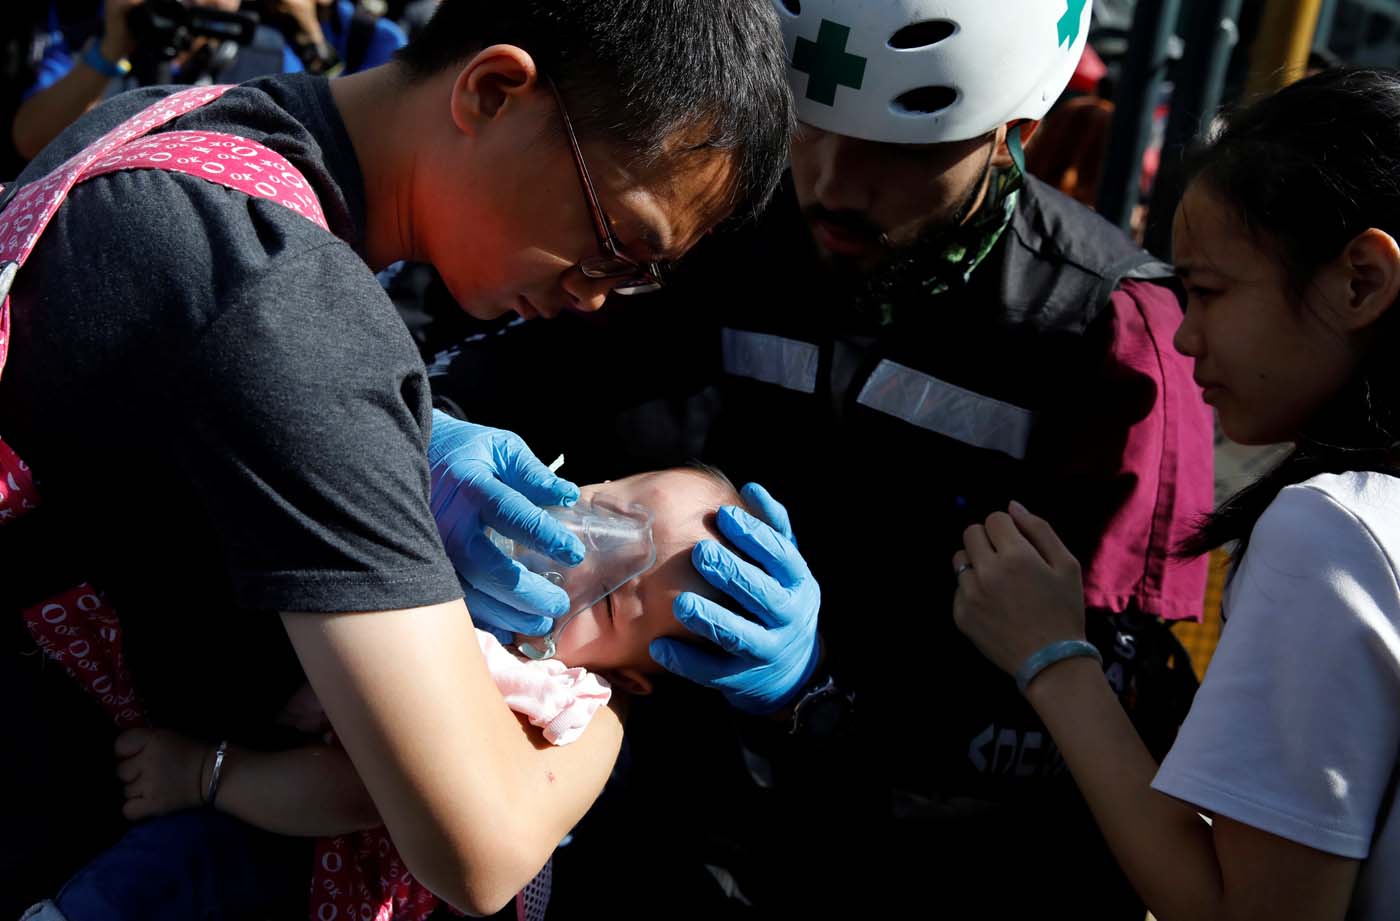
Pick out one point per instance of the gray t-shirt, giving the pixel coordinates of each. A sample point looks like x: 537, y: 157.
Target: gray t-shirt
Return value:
x: 222, y: 406
x: 1296, y: 729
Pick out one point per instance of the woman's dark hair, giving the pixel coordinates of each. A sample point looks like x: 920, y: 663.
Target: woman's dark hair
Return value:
x: 1305, y: 171
x: 638, y: 73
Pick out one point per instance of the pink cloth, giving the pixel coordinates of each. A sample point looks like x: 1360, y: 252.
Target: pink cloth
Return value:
x: 79, y: 630
x: 1163, y: 471
x: 17, y: 493
x: 362, y: 875
x: 557, y: 699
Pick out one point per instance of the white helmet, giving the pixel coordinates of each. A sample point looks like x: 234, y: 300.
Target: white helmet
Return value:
x: 927, y: 71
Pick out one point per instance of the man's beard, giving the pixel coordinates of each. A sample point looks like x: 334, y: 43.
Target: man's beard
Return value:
x: 911, y: 268
x: 901, y: 248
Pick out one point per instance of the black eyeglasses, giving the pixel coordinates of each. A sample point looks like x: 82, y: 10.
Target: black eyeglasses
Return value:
x: 633, y: 277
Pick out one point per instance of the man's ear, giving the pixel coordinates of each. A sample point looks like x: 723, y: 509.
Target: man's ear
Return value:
x: 489, y: 82
x: 631, y: 681
x: 1002, y: 158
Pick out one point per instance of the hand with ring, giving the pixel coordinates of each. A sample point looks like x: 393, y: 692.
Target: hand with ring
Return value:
x: 1019, y: 588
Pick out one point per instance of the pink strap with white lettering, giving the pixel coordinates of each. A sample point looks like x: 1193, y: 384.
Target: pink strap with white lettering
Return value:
x: 225, y: 159
x: 27, y: 215
x: 17, y: 492
x: 79, y: 630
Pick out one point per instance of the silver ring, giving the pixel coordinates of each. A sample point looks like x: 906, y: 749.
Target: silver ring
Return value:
x: 961, y: 569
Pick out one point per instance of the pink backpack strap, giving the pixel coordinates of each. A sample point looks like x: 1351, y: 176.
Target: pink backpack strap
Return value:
x: 228, y: 160
x: 225, y: 159
x: 29, y: 212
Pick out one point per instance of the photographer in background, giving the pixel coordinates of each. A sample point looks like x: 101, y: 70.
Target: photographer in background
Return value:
x: 334, y: 36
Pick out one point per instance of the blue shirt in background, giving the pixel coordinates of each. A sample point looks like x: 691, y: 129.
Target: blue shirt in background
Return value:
x: 58, y: 55
x: 65, y: 39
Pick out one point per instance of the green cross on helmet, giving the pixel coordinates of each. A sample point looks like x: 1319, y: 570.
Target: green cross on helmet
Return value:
x: 928, y: 71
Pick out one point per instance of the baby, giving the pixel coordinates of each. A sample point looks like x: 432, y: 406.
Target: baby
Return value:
x: 613, y: 637
x: 313, y: 790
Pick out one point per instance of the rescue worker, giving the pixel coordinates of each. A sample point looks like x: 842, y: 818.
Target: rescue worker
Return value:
x: 913, y: 334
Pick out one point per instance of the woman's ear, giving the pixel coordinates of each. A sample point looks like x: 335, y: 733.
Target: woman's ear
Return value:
x: 631, y: 681
x: 1371, y: 262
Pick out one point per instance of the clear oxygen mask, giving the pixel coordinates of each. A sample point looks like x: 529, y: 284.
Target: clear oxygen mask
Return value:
x: 618, y: 547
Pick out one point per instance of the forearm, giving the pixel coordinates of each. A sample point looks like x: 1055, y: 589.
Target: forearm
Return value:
x: 1114, y: 771
x: 1025, y: 594
x: 477, y: 855
x: 474, y: 800
x: 538, y: 801
x: 44, y: 115
x: 312, y: 791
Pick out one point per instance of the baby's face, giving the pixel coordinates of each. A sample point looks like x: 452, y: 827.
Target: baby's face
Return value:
x: 615, y: 634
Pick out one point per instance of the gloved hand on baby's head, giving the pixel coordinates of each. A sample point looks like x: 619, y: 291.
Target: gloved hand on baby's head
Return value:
x: 613, y: 636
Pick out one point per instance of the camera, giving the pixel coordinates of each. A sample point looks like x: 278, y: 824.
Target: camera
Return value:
x: 165, y: 28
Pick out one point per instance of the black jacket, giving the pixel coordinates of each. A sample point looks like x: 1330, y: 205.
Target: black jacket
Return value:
x: 884, y: 443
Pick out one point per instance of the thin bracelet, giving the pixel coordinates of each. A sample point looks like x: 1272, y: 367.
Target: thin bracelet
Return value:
x: 213, y: 789
x: 1055, y: 652
x: 94, y: 58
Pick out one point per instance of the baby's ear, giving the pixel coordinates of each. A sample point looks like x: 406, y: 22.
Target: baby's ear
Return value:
x: 630, y: 681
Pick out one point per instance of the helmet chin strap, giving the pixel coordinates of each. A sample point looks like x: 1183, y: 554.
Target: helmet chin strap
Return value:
x: 1013, y: 144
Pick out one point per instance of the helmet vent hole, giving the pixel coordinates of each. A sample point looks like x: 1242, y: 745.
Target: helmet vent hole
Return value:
x: 919, y: 35
x: 925, y: 100
x: 791, y: 7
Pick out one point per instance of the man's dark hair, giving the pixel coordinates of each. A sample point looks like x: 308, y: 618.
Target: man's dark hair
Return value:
x: 638, y: 73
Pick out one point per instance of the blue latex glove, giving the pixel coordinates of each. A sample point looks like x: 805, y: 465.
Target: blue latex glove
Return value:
x: 771, y: 655
x: 484, y: 477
